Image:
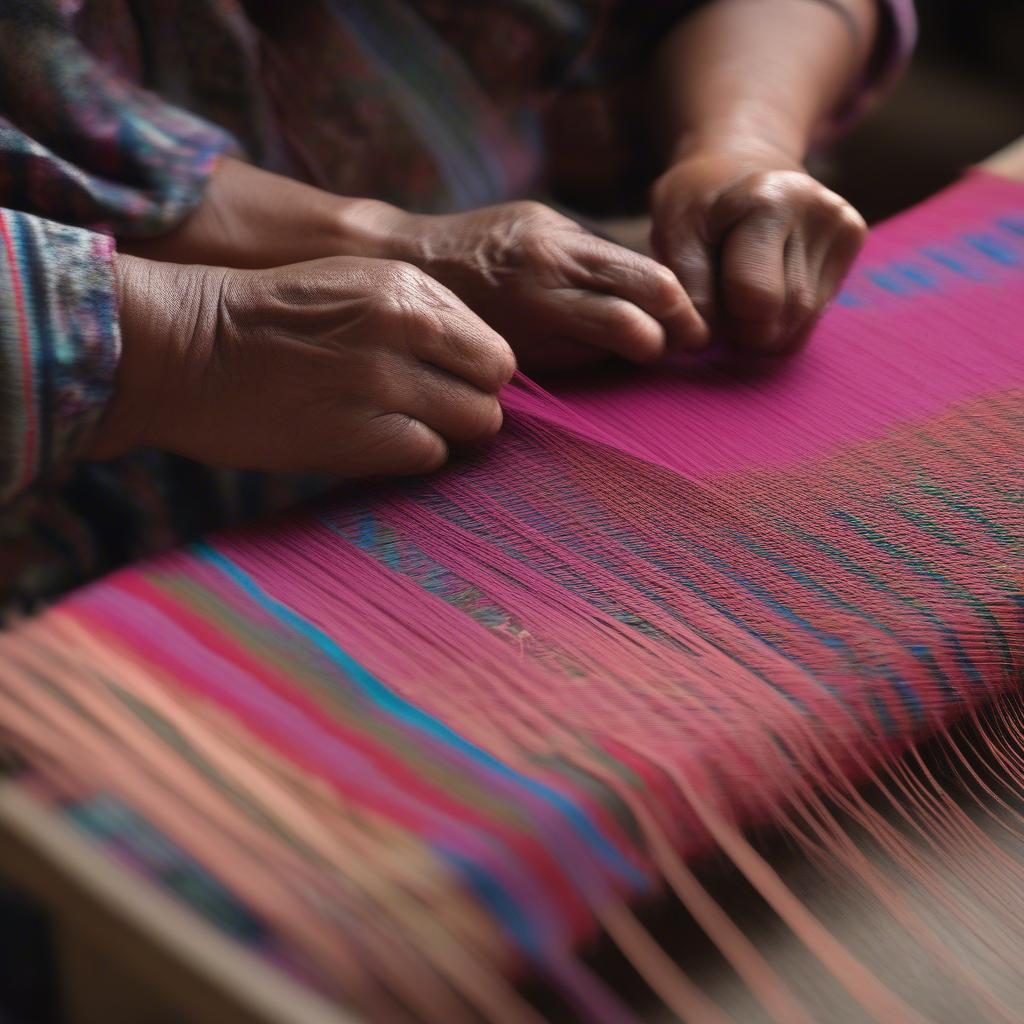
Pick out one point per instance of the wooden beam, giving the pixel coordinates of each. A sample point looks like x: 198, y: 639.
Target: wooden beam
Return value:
x: 1008, y: 162
x: 184, y: 969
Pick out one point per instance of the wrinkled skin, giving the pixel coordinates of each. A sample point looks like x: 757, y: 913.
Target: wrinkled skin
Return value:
x: 759, y: 245
x: 347, y: 366
x: 559, y: 294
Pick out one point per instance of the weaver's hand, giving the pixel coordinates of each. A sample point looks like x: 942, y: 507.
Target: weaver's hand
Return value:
x: 559, y: 294
x: 760, y: 246
x: 348, y: 366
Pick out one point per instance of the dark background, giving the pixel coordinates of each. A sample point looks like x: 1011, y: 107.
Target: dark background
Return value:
x: 962, y: 99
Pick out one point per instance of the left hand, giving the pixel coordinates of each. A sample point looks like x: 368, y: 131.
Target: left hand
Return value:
x: 759, y: 245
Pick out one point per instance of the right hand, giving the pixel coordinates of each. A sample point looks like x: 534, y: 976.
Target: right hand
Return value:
x: 348, y: 366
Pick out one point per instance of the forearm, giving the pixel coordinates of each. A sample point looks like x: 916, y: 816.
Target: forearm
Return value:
x: 251, y: 218
x: 760, y: 72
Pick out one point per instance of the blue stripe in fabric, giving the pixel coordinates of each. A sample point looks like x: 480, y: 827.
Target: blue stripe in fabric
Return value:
x: 497, y: 900
x: 886, y: 281
x: 995, y: 249
x: 413, y: 716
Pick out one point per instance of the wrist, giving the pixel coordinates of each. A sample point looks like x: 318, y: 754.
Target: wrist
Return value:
x: 749, y: 132
x: 251, y: 218
x: 374, y: 229
x: 165, y: 318
x: 710, y: 164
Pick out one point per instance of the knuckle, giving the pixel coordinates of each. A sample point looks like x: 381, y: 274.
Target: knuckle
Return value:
x: 411, y: 446
x: 664, y: 284
x: 753, y: 300
x: 386, y: 307
x: 827, y: 200
x: 285, y: 289
x: 404, y: 277
x: 404, y: 287
x: 424, y: 456
x: 532, y: 210
x: 495, y: 366
x: 408, y: 296
x: 771, y: 189
x: 538, y: 247
x: 766, y: 195
x: 426, y: 321
x: 852, y: 225
x: 625, y: 320
x: 832, y: 207
x: 503, y: 363
x: 542, y: 229
x: 483, y: 420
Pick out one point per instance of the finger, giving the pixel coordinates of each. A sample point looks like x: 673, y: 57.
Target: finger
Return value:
x: 610, y: 324
x: 816, y: 263
x: 841, y: 254
x: 807, y: 290
x: 692, y: 260
x: 753, y: 285
x: 459, y: 412
x: 392, y: 444
x: 647, y: 284
x: 817, y: 250
x: 441, y: 330
x: 802, y: 259
x: 451, y: 337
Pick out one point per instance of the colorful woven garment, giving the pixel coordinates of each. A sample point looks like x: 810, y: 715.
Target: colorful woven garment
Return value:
x: 424, y: 741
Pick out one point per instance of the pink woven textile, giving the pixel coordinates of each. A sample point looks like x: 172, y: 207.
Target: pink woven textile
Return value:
x: 423, y: 739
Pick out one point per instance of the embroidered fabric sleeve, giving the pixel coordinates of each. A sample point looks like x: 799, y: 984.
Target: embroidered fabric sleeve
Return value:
x: 59, y: 344
x: 80, y: 144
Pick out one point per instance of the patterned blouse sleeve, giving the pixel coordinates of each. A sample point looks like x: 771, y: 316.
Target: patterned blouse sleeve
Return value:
x: 59, y: 344
x: 82, y: 145
x: 79, y: 145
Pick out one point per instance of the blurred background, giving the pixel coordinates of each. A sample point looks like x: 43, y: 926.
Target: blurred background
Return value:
x: 962, y: 99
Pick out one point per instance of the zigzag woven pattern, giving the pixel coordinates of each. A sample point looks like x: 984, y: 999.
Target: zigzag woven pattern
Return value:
x: 420, y: 739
